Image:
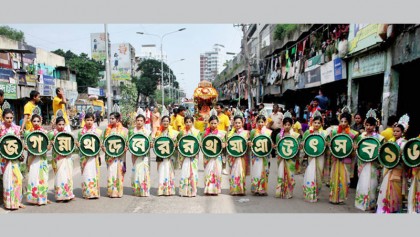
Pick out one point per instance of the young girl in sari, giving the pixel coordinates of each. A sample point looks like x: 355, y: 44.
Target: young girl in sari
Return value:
x: 37, y: 188
x: 341, y: 168
x: 189, y: 165
x: 62, y: 167
x: 213, y: 166
x: 140, y: 177
x: 89, y: 165
x: 312, y: 180
x: 165, y: 166
x: 12, y: 177
x: 368, y: 172
x: 259, y: 165
x: 394, y: 182
x: 286, y: 168
x: 238, y: 164
x: 115, y: 165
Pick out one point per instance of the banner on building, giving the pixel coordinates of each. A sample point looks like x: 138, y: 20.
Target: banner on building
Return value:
x: 94, y: 91
x: 5, y: 74
x: 367, y: 65
x: 309, y: 79
x: 98, y: 46
x: 121, y: 61
x: 313, y: 62
x: 333, y: 71
x: 10, y: 90
x: 5, y: 61
x: 363, y: 35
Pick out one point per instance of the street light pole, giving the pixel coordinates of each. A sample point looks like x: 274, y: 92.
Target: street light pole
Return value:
x: 161, y: 57
x: 108, y: 74
x: 170, y: 77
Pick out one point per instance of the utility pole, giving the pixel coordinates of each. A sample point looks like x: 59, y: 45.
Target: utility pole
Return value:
x: 108, y: 74
x: 247, y: 66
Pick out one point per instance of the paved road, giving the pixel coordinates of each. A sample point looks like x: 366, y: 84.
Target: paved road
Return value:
x: 224, y: 203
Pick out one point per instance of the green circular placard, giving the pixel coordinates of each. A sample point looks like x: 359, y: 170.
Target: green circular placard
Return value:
x: 341, y: 146
x: 64, y: 144
x: 114, y: 145
x: 287, y: 147
x: 314, y: 145
x: 262, y: 145
x: 11, y: 147
x: 236, y: 146
x: 212, y: 146
x: 90, y: 144
x: 389, y: 155
x: 368, y: 149
x: 411, y: 153
x: 188, y: 146
x: 139, y: 144
x: 164, y: 147
x: 37, y: 143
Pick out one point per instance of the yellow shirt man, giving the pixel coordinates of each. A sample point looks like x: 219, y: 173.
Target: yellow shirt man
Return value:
x: 57, y: 106
x: 172, y: 123
x: 27, y: 110
x: 388, y: 134
x: 297, y: 127
x: 224, y: 122
x: 179, y: 122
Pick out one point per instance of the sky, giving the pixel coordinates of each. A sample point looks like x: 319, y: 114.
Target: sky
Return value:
x: 187, y: 44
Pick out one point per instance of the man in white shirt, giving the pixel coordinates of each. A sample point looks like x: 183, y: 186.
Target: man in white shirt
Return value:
x: 275, y: 124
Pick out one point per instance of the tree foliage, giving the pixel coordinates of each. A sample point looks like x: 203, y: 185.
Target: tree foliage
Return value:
x: 283, y: 30
x: 128, y: 104
x: 87, y: 70
x: 150, y: 78
x: 11, y: 33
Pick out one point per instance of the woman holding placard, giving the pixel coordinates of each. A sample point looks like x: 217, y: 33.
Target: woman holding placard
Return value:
x: 89, y: 165
x: 394, y: 182
x: 12, y: 177
x: 140, y: 176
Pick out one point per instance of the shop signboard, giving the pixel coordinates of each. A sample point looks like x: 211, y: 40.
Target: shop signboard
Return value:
x: 363, y: 35
x: 368, y: 65
x: 313, y: 77
x: 333, y: 71
x: 5, y: 74
x: 10, y: 90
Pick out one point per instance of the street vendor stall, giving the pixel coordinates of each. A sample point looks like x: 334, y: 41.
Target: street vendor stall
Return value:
x: 205, y: 98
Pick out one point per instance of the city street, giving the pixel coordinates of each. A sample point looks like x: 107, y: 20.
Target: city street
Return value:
x: 224, y: 203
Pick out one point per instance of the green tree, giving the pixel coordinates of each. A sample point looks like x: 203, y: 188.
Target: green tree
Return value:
x: 150, y: 77
x: 283, y: 30
x: 128, y: 104
x: 87, y: 70
x: 11, y: 33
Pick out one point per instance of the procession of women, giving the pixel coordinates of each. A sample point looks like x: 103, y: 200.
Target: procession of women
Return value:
x: 388, y: 168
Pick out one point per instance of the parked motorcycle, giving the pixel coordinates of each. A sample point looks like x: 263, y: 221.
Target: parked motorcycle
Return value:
x: 75, y: 122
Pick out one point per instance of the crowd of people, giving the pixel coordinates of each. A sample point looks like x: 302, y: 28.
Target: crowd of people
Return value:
x: 378, y: 189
